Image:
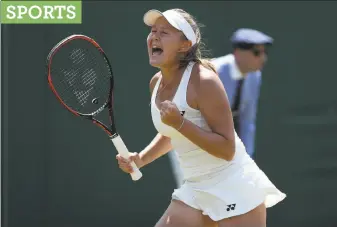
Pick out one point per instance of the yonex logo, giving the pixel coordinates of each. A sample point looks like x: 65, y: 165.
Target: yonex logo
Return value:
x: 231, y: 207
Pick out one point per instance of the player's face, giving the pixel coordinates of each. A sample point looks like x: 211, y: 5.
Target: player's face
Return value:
x: 163, y: 44
x: 256, y: 58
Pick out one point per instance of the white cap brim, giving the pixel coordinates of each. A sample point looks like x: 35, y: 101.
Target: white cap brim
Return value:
x: 151, y: 16
x: 174, y: 18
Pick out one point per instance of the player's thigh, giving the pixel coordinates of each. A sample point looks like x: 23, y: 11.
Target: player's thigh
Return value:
x: 254, y: 218
x: 178, y: 214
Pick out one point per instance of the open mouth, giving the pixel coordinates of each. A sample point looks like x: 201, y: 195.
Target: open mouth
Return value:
x: 156, y: 51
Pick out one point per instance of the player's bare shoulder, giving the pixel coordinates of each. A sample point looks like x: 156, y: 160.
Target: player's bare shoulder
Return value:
x: 206, y: 79
x: 154, y: 80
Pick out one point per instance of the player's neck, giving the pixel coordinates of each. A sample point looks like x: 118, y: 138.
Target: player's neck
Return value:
x: 170, y: 73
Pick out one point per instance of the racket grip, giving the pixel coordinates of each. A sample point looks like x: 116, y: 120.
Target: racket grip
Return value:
x: 124, y: 152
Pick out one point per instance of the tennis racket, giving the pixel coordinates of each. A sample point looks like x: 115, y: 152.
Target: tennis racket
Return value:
x: 80, y: 75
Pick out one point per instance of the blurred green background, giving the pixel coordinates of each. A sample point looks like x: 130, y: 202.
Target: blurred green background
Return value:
x: 60, y: 171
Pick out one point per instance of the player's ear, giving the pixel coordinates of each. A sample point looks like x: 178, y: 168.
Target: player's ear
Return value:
x: 185, y: 46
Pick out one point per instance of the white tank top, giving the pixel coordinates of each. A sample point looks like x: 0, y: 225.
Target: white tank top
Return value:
x: 194, y: 161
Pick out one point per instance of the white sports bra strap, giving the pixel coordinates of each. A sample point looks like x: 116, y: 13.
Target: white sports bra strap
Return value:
x: 182, y: 89
x: 155, y: 90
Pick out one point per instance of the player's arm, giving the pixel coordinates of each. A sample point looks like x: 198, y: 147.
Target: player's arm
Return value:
x: 160, y: 145
x: 214, y: 106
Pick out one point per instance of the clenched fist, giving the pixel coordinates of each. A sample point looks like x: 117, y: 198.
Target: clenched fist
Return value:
x: 170, y: 114
x: 124, y: 164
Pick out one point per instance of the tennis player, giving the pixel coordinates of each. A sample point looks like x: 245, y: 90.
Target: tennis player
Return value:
x: 222, y: 185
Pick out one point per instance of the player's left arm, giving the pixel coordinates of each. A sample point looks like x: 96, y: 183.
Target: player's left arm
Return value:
x: 214, y: 106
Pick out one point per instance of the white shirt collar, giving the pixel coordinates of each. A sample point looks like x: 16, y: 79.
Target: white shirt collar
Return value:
x: 235, y: 71
x: 229, y: 59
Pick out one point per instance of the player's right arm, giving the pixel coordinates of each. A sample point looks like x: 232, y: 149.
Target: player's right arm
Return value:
x: 158, y: 147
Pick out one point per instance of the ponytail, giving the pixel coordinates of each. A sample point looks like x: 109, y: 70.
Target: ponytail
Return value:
x: 195, y: 53
x: 207, y: 64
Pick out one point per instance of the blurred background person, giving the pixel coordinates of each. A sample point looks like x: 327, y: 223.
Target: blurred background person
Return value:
x: 240, y: 73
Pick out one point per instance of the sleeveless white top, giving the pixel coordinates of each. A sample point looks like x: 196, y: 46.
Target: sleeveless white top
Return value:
x: 194, y: 161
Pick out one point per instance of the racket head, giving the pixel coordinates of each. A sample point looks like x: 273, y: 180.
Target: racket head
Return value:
x: 80, y: 76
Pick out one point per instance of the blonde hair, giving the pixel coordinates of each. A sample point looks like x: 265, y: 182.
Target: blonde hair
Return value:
x: 196, y: 52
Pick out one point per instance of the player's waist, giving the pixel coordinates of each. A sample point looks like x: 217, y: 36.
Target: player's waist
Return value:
x: 200, y: 173
x: 197, y: 163
x: 192, y: 156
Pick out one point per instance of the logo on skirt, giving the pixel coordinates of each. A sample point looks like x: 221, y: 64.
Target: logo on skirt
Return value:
x: 231, y: 207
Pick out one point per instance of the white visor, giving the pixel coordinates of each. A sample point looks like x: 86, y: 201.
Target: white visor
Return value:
x: 175, y: 19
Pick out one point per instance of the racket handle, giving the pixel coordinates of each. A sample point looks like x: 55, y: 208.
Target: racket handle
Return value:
x: 124, y: 152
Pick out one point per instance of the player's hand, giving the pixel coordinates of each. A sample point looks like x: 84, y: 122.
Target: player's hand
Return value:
x: 170, y: 114
x: 125, y: 164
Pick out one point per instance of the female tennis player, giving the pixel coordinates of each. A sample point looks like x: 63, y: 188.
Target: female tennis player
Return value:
x: 222, y: 186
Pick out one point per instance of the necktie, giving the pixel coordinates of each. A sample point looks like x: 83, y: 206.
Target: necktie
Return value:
x: 236, y: 105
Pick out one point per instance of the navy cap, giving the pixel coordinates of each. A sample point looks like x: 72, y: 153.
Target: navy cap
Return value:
x: 251, y: 36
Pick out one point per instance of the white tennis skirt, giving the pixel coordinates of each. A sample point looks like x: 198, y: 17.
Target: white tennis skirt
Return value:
x: 231, y: 192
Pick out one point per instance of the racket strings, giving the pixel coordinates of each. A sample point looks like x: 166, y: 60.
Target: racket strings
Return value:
x: 70, y: 78
x: 81, y: 76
